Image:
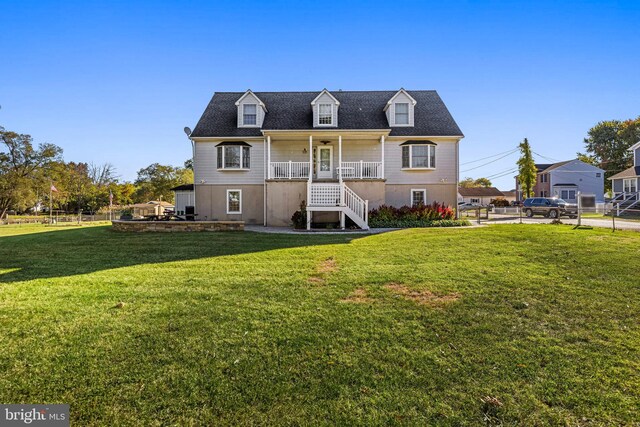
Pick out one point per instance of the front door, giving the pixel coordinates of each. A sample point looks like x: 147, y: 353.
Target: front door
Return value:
x: 325, y: 162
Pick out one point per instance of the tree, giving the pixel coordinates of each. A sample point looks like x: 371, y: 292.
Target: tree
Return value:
x: 156, y: 181
x: 607, y: 144
x: 527, y: 171
x: 21, y: 165
x: 471, y: 183
x: 482, y: 182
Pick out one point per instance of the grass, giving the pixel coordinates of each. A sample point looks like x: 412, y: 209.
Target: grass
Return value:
x: 500, y: 325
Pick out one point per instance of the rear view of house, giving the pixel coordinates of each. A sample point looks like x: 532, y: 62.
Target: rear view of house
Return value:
x: 259, y: 155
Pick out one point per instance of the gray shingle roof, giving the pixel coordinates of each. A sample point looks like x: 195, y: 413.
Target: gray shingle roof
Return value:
x: 627, y: 173
x: 480, y: 192
x: 358, y: 110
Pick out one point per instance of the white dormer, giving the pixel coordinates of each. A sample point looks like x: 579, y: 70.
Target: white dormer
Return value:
x: 400, y: 109
x: 251, y: 110
x: 325, y: 110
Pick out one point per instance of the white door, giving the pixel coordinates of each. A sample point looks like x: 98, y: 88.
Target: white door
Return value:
x: 325, y: 162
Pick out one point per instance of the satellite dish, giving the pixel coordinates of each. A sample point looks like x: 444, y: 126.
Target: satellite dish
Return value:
x: 187, y: 130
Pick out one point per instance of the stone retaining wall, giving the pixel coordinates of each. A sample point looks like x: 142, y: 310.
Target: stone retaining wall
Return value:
x: 177, y: 226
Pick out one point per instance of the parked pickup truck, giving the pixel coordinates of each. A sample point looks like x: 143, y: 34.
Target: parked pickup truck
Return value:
x: 549, y: 207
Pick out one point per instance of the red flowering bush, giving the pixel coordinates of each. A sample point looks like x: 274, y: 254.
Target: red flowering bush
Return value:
x: 435, y: 214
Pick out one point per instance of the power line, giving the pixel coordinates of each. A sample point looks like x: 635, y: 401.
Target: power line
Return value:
x: 501, y: 174
x: 492, y: 161
x: 489, y: 157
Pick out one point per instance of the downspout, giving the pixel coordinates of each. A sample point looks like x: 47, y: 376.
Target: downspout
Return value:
x: 193, y: 166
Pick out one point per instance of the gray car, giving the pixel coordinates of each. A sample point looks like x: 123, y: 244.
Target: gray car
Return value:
x: 549, y: 207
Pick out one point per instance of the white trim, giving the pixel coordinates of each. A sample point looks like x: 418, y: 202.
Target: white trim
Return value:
x: 634, y: 146
x: 227, y: 202
x: 395, y: 115
x: 264, y: 107
x: 424, y: 195
x: 330, y: 115
x: 232, y: 169
x: 318, y: 160
x: 413, y: 101
x: 247, y: 125
x: 322, y: 93
x: 411, y: 167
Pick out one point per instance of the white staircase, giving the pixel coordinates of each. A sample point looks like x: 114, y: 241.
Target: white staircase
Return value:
x: 623, y: 202
x: 337, y: 197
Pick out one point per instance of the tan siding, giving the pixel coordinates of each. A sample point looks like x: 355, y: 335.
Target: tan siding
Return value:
x: 283, y: 199
x: 400, y: 195
x: 212, y: 203
x: 206, y: 166
x: 445, y: 165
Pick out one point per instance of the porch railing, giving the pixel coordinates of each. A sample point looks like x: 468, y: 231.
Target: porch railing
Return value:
x: 360, y: 170
x: 289, y: 170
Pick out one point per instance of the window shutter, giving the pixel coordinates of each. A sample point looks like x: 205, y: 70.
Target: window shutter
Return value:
x: 219, y: 157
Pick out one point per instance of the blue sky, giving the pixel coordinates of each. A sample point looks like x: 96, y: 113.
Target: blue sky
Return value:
x: 117, y: 81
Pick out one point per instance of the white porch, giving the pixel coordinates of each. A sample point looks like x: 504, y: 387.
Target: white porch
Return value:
x: 325, y: 161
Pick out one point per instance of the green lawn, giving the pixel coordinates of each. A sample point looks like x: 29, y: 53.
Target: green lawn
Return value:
x: 414, y: 327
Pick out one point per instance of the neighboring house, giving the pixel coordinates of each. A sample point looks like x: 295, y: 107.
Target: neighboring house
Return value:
x: 627, y: 181
x: 566, y: 179
x: 258, y: 156
x: 152, y: 207
x: 511, y: 195
x: 479, y: 195
x: 183, y: 198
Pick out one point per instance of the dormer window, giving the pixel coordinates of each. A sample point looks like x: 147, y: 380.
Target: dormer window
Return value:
x: 325, y: 114
x: 402, y: 113
x: 400, y: 109
x: 325, y: 110
x: 249, y: 114
x: 251, y: 110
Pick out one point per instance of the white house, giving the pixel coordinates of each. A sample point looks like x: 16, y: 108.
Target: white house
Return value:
x: 259, y: 155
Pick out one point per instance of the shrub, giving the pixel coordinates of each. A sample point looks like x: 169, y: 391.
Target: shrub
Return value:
x: 500, y: 202
x: 299, y: 218
x: 433, y: 215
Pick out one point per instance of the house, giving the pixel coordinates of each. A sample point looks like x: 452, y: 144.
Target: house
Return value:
x: 625, y: 184
x: 511, y: 195
x: 152, y: 207
x: 259, y: 155
x: 479, y: 195
x: 183, y: 199
x: 566, y: 179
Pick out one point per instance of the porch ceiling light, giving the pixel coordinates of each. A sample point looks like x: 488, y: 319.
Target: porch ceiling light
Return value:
x: 325, y: 142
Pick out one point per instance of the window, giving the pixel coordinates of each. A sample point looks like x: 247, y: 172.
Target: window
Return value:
x: 402, y: 113
x: 325, y: 114
x: 234, y: 201
x: 568, y: 194
x: 473, y: 200
x: 544, y: 177
x: 419, y: 156
x: 418, y: 197
x: 249, y: 114
x: 598, y: 174
x: 234, y: 157
x: 629, y: 185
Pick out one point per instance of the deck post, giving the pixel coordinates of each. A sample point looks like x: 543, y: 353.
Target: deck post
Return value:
x: 290, y: 169
x: 340, y: 158
x: 342, y: 220
x: 268, y: 157
x: 382, y: 156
